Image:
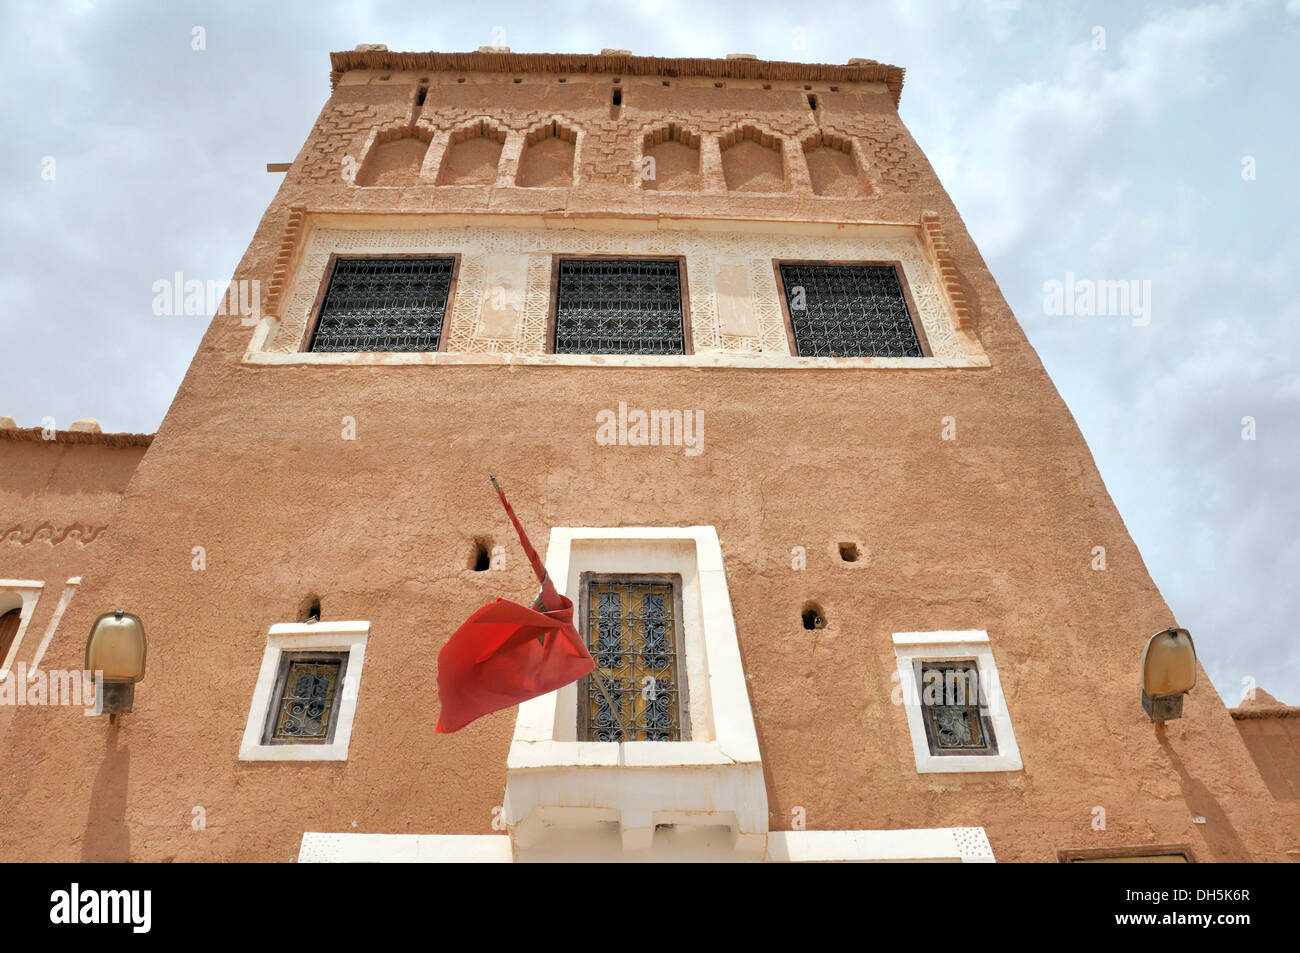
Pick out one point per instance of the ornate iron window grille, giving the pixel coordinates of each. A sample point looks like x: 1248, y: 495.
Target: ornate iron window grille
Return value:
x: 305, y: 699
x: 633, y: 629
x: 849, y: 311
x: 953, y: 708
x: 384, y: 304
x: 619, y: 306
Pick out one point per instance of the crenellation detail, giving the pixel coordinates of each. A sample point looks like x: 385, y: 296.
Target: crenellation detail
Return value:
x: 940, y: 252
x: 889, y: 155
x: 290, y: 242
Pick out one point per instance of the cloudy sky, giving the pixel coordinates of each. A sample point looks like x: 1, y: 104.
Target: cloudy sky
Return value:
x: 1148, y: 142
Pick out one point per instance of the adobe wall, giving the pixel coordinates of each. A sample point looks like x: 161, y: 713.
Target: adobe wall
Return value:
x: 73, y: 480
x: 992, y: 531
x: 57, y: 499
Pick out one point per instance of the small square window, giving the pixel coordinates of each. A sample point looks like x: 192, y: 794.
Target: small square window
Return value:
x: 306, y: 697
x: 619, y: 306
x: 955, y: 708
x: 304, y: 702
x: 849, y: 310
x: 384, y: 304
x: 956, y: 718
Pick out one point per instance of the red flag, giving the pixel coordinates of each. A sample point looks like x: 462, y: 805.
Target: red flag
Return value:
x: 506, y: 653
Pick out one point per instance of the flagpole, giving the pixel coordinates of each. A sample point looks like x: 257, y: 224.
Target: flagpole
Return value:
x: 613, y: 712
x: 548, y: 588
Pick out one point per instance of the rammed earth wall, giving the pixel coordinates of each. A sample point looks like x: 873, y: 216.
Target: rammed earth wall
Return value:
x: 992, y: 530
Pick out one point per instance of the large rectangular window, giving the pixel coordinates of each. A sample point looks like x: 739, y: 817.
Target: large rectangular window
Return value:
x: 619, y: 306
x: 858, y: 310
x: 633, y: 629
x: 384, y: 304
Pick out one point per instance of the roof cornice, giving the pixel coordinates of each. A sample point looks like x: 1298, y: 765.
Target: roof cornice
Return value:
x: 1265, y: 711
x: 856, y: 71
x: 38, y: 435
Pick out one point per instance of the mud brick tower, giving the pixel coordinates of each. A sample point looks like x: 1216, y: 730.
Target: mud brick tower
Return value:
x: 725, y: 340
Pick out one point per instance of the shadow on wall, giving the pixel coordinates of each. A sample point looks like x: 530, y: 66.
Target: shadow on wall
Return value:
x: 107, y: 837
x: 1218, y: 830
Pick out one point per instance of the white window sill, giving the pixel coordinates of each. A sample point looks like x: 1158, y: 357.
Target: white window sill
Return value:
x: 699, y: 359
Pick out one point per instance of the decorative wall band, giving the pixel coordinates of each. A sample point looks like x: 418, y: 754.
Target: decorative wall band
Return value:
x: 940, y: 252
x: 80, y: 533
x: 284, y: 257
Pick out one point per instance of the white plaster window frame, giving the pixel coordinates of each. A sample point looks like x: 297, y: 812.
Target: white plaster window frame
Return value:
x: 350, y: 637
x: 20, y: 594
x: 716, y: 778
x: 910, y: 647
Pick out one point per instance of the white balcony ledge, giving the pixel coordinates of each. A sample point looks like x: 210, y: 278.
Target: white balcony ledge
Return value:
x: 690, y: 844
x: 559, y: 788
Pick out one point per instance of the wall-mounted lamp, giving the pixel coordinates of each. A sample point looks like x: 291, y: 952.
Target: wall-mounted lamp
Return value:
x: 1168, y: 673
x: 117, y: 648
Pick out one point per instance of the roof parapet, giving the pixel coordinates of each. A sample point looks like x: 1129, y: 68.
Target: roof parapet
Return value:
x: 502, y: 60
x: 74, y: 434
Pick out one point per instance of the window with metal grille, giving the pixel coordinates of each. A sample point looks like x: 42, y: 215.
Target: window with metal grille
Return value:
x: 384, y: 304
x: 304, y: 703
x: 633, y: 629
x: 849, y: 311
x: 619, y: 306
x: 953, y: 709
